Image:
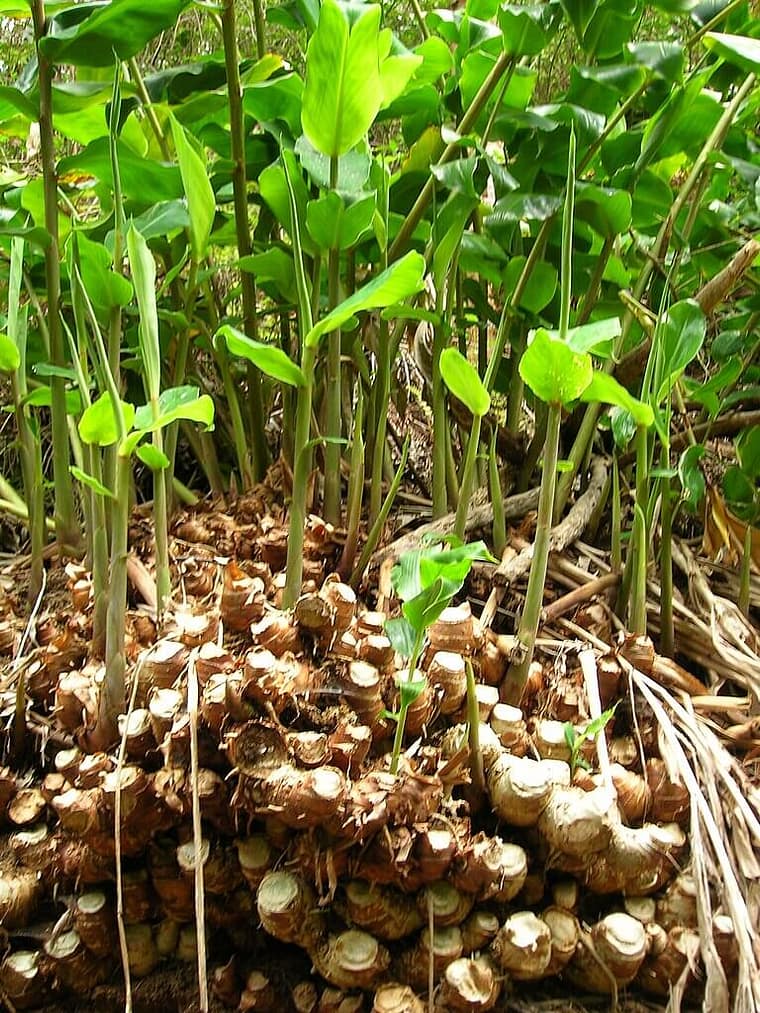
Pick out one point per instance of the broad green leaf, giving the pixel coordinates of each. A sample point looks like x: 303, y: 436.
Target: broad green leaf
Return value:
x: 437, y: 60
x: 553, y: 371
x: 91, y: 482
x: 611, y: 27
x: 143, y: 268
x: 515, y: 207
x: 541, y: 285
x: 98, y: 423
x: 105, y: 288
x: 13, y: 101
x: 274, y: 265
x: 664, y: 58
x: 748, y: 452
x: 42, y: 397
x: 452, y: 564
x: 525, y: 30
x: 163, y: 219
x: 692, y: 479
x: 276, y: 102
x: 353, y: 168
x: 342, y: 93
x: 396, y: 72
x: 596, y: 338
x: 605, y: 389
x: 409, y: 690
x: 155, y: 459
x: 274, y: 189
x: 623, y: 427
x: 10, y: 359
x: 201, y: 202
x: 607, y: 211
x: 579, y: 13
x: 405, y: 575
x: 396, y: 283
x: 424, y: 608
x: 708, y: 393
x: 458, y: 175
x: 269, y: 358
x: 739, y: 491
x: 88, y: 34
x: 463, y: 381
x: 741, y: 50
x: 175, y: 404
x: 401, y: 634
x: 680, y: 336
x: 333, y: 225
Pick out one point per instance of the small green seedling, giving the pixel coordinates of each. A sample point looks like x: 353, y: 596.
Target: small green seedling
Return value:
x: 575, y: 737
x: 426, y: 581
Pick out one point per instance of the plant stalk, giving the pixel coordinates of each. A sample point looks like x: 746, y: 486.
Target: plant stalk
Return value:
x: 68, y: 534
x: 517, y: 676
x: 333, y: 419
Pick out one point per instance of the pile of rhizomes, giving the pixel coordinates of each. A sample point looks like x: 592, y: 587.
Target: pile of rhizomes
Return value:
x: 389, y: 885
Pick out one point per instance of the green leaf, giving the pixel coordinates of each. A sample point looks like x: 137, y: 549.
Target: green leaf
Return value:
x: 396, y: 71
x: 738, y: 489
x: 579, y: 13
x: 98, y: 423
x: 691, y: 477
x: 162, y: 219
x: 605, y: 389
x: 553, y: 371
x: 680, y: 336
x: 748, y: 452
x: 104, y: 286
x: 463, y: 381
x: 405, y: 575
x: 88, y: 34
x: 269, y: 358
x: 201, y: 202
x: 596, y: 338
x: 342, y: 93
x: 143, y: 268
x: 741, y: 50
x: 409, y: 690
x: 452, y: 564
x: 335, y: 226
x: 525, y: 30
x: 174, y: 404
x: 426, y: 607
x: 10, y: 359
x: 155, y: 459
x: 401, y: 634
x: 274, y: 265
x: 402, y: 279
x: 91, y: 482
x: 541, y: 285
x: 353, y: 168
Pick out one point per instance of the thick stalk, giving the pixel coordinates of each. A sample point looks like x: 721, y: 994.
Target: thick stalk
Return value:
x: 333, y: 420
x: 419, y: 17
x: 477, y: 774
x: 713, y: 142
x: 381, y: 388
x: 517, y: 676
x: 260, y: 22
x: 667, y: 638
x: 616, y: 546
x: 355, y: 490
x: 639, y: 544
x: 468, y: 472
x: 161, y: 524
x: 401, y: 242
x: 113, y: 689
x: 255, y: 470
x: 440, y: 415
x: 499, y: 531
x: 301, y: 469
x: 67, y: 530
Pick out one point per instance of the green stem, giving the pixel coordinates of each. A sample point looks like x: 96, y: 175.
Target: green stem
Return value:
x: 301, y: 469
x: 468, y: 472
x: 381, y: 388
x: 161, y: 523
x: 377, y: 528
x: 401, y: 242
x: 638, y: 622
x: 616, y: 546
x: 333, y: 419
x: 147, y: 104
x: 517, y: 676
x: 355, y: 490
x: 440, y: 415
x: 667, y: 636
x: 419, y: 17
x: 398, y: 738
x: 249, y: 472
x: 260, y: 22
x: 113, y: 689
x: 497, y: 499
x: 68, y: 534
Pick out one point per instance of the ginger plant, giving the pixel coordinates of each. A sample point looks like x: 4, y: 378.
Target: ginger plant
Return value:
x: 426, y: 581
